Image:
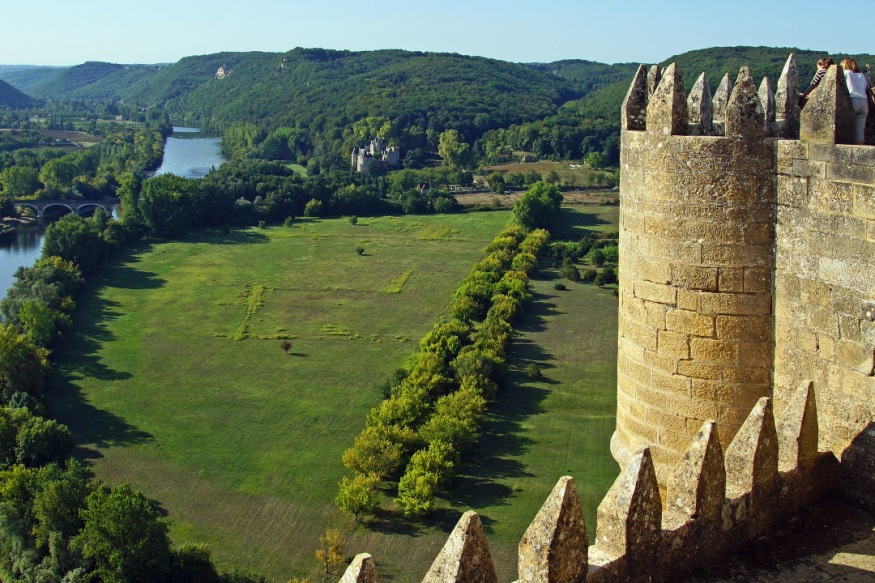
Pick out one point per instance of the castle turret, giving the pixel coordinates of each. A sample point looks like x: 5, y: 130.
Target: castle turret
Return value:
x: 696, y: 240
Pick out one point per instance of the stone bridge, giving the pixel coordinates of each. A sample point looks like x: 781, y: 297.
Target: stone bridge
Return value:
x: 76, y: 207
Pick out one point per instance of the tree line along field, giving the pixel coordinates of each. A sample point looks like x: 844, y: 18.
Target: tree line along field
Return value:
x: 175, y: 382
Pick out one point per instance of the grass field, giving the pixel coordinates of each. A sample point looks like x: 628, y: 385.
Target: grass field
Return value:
x: 175, y: 382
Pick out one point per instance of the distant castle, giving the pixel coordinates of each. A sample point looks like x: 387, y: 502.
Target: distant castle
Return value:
x: 376, y: 156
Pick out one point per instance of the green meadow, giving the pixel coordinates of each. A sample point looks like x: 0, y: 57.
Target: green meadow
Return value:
x: 174, y: 381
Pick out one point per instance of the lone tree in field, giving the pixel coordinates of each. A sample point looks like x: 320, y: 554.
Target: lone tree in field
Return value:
x: 285, y: 345
x: 330, y: 551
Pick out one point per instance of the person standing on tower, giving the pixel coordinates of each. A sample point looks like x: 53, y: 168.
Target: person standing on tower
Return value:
x: 858, y: 87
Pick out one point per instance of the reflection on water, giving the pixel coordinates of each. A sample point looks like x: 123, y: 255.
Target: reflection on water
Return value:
x: 19, y: 248
x: 188, y: 155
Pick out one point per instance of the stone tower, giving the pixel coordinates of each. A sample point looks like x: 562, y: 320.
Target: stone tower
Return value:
x: 696, y: 240
x: 747, y: 253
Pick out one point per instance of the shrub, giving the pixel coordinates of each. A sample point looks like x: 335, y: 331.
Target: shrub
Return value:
x: 330, y: 551
x: 496, y: 204
x: 353, y: 220
x: 289, y: 222
x: 608, y: 275
x: 525, y: 262
x: 358, y: 496
x: 377, y: 450
x: 446, y: 340
x: 570, y: 273
x: 444, y: 205
x: 360, y: 250
x: 561, y: 286
x: 40, y: 442
x: 589, y: 276
x: 539, y: 207
x: 286, y: 346
x: 313, y: 208
x: 262, y: 225
x: 428, y: 468
x: 612, y: 254
x: 456, y: 419
x: 504, y: 307
x: 596, y: 257
x: 137, y: 552
x: 599, y: 280
x: 533, y: 371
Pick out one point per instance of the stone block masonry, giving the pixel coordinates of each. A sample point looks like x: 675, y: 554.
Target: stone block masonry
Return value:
x: 747, y: 261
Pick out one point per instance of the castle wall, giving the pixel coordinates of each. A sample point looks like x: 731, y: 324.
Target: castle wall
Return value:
x: 825, y: 283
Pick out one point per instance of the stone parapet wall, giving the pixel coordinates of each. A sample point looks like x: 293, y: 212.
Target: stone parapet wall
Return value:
x: 716, y: 502
x: 825, y: 283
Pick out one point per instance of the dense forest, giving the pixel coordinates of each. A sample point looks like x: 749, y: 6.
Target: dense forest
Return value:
x: 13, y: 98
x: 25, y: 77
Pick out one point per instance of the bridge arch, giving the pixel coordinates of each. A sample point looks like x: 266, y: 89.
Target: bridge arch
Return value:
x: 89, y: 207
x: 56, y: 204
x: 35, y: 208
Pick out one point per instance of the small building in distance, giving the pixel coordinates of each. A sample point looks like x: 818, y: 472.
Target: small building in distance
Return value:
x: 376, y: 156
x: 423, y: 188
x: 223, y: 72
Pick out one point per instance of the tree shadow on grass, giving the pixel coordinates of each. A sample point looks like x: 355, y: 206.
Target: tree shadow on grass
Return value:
x: 573, y: 225
x: 502, y: 438
x: 77, y: 358
x: 237, y: 236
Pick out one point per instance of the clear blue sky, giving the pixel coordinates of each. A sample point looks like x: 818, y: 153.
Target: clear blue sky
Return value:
x: 68, y: 32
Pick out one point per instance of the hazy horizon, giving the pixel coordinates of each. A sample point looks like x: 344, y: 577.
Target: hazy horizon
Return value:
x: 515, y: 31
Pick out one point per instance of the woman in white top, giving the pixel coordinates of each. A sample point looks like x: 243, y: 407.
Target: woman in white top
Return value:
x: 858, y: 87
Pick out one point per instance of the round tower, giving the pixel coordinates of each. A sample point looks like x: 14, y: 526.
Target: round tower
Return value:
x: 696, y: 240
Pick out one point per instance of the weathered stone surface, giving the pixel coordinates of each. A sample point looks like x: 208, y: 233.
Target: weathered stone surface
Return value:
x: 630, y: 515
x: 787, y: 101
x: 699, y: 108
x: 718, y: 104
x: 634, y: 112
x: 744, y: 112
x: 698, y: 487
x: 667, y: 108
x: 554, y: 547
x: 654, y: 75
x: 767, y: 99
x: 828, y: 117
x: 361, y: 570
x: 465, y: 557
x: 752, y: 457
x: 797, y: 431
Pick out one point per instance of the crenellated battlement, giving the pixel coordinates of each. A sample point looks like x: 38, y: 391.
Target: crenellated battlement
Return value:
x: 700, y: 114
x: 715, y: 503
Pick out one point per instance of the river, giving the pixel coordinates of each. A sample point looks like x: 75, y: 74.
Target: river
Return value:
x: 186, y: 154
x: 190, y: 155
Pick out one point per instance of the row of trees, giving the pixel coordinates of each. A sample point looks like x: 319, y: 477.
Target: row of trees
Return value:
x: 433, y: 412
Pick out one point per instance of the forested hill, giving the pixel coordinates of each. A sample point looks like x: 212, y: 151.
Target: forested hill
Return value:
x: 431, y: 90
x: 590, y: 75
x: 25, y: 78
x: 763, y: 62
x: 12, y: 97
